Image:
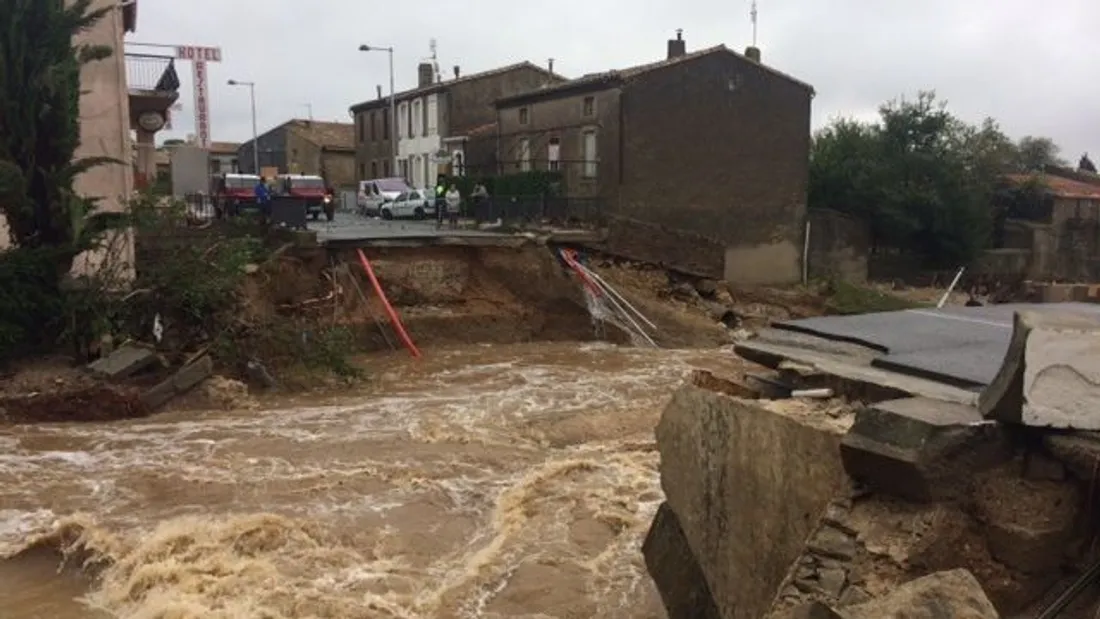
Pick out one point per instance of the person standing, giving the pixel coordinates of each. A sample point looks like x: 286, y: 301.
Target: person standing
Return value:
x: 453, y: 199
x: 263, y: 198
x: 440, y: 200
x: 481, y: 201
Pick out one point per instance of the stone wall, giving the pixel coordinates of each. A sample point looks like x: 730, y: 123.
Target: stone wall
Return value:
x: 840, y: 246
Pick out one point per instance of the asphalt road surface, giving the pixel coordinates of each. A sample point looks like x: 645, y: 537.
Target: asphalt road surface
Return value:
x: 958, y: 345
x: 350, y: 227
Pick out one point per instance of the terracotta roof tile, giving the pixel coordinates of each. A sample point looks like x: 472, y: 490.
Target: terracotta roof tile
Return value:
x: 629, y: 73
x: 326, y: 134
x: 1062, y: 187
x: 224, y: 147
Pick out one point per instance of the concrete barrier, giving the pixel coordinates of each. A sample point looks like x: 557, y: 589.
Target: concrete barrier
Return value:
x: 747, y: 483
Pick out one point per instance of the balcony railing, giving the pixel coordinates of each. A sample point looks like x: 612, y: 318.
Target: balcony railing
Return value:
x: 150, y: 72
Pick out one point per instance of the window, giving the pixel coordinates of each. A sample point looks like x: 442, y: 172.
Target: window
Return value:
x: 406, y: 121
x: 416, y: 126
x: 373, y: 124
x: 553, y: 154
x: 362, y: 171
x: 524, y: 116
x: 525, y: 155
x: 374, y: 169
x: 590, y: 155
x: 433, y: 116
x: 589, y: 107
x: 386, y: 168
x: 359, y: 128
x: 385, y: 126
x: 404, y: 167
x: 459, y: 169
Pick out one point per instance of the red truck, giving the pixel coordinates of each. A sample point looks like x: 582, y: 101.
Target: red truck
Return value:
x: 312, y: 190
x: 233, y: 192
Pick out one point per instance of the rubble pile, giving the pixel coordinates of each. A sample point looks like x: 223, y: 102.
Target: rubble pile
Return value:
x: 908, y: 507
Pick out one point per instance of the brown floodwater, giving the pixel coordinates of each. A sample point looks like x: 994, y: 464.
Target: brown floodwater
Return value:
x: 492, y: 481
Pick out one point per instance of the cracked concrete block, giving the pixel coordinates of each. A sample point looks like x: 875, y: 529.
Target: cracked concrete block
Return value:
x: 675, y: 570
x: 748, y: 485
x: 124, y: 363
x: 954, y: 594
x: 1050, y: 374
x: 920, y: 449
x: 182, y: 381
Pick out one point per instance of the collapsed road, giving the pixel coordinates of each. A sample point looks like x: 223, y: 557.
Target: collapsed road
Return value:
x: 957, y: 481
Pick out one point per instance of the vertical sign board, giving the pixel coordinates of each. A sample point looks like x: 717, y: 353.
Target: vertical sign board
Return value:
x: 199, y: 57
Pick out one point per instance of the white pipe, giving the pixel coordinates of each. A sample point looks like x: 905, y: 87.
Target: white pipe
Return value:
x: 806, y: 255
x: 951, y: 288
x: 615, y: 293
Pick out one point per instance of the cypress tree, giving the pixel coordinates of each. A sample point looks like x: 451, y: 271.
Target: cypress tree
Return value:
x: 40, y: 123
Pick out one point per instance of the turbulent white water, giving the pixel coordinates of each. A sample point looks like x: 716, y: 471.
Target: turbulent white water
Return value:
x: 512, y: 481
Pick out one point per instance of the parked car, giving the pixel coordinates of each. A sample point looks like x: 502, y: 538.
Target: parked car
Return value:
x: 415, y: 204
x: 375, y: 192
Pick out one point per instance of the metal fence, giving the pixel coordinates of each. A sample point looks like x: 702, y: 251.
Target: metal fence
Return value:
x: 151, y: 72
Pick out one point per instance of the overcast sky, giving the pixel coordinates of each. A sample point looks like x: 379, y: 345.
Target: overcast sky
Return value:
x: 1029, y: 64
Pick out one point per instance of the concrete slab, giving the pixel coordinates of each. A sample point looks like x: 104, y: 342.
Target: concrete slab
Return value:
x: 1050, y: 373
x: 921, y: 449
x: 962, y: 346
x: 123, y: 363
x: 848, y: 362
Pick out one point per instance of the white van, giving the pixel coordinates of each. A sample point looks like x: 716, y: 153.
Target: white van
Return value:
x: 375, y: 192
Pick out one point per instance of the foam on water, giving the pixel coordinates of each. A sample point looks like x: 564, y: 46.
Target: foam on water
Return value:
x: 487, y: 482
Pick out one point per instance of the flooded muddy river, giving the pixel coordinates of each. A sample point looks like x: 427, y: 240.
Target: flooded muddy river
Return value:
x: 495, y: 482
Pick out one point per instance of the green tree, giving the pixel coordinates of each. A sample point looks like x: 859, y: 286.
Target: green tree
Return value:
x: 40, y: 123
x: 1034, y: 153
x: 921, y: 178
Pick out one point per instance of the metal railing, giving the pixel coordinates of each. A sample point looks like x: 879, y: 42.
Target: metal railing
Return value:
x: 538, y: 209
x: 151, y: 72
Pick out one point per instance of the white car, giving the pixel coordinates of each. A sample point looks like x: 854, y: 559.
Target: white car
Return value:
x: 414, y: 204
x: 374, y: 193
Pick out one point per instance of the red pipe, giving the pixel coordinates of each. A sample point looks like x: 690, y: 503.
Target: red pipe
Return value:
x: 571, y: 261
x: 397, y: 326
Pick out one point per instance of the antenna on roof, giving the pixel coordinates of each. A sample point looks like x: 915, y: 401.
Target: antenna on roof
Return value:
x: 435, y: 65
x: 752, y: 16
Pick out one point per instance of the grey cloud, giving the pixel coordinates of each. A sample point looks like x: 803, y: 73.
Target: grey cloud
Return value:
x: 1027, y: 64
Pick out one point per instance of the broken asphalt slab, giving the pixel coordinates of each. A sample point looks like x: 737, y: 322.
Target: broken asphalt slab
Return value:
x: 921, y: 449
x: 961, y: 346
x: 1050, y: 373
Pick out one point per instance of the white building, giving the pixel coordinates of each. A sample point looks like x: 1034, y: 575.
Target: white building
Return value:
x: 419, y: 142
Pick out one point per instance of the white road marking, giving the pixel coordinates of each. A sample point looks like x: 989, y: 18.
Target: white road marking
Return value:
x: 980, y: 321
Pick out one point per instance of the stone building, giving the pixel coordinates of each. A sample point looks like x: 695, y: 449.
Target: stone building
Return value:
x: 298, y: 146
x: 434, y: 121
x: 702, y: 159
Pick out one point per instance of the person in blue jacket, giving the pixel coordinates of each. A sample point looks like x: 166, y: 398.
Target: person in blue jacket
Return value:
x: 263, y: 197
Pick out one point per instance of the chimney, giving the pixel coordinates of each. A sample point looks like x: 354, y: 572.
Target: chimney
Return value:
x: 677, y: 47
x: 550, y: 65
x: 425, y: 74
x: 457, y: 72
x: 379, y: 87
x: 752, y: 53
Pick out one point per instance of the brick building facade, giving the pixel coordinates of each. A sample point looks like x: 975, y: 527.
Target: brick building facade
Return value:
x: 434, y: 121
x: 702, y: 158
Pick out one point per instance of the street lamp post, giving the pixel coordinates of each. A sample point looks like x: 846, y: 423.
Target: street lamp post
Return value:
x: 255, y: 143
x: 393, y: 101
